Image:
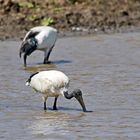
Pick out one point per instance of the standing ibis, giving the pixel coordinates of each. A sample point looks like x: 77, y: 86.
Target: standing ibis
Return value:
x: 53, y: 83
x: 38, y: 38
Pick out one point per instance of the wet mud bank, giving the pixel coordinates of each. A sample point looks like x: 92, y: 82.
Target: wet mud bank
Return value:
x: 78, y: 16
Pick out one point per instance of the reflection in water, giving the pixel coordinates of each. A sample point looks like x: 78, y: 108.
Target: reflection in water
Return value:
x: 50, y: 123
x: 62, y: 62
x: 40, y: 67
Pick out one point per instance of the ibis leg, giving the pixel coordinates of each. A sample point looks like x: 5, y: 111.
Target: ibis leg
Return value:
x: 47, y: 55
x: 45, y: 108
x: 45, y: 105
x: 54, y: 105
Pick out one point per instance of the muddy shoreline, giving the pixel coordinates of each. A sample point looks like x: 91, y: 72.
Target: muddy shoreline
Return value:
x: 79, y: 18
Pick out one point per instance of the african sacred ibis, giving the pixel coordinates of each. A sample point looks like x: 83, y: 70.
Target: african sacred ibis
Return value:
x: 38, y: 38
x: 53, y: 83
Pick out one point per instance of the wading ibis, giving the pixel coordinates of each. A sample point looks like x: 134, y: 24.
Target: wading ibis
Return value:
x: 53, y: 83
x: 38, y: 38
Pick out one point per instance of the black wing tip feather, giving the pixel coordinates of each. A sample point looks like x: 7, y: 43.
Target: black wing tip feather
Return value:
x: 32, y: 75
x: 32, y: 34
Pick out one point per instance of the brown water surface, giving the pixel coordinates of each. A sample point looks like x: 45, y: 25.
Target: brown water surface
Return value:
x: 105, y: 67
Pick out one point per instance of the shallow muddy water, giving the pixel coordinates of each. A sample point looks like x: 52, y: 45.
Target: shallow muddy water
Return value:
x: 105, y: 67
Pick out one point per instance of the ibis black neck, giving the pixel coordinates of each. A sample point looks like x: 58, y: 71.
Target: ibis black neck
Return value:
x: 78, y: 95
x: 68, y: 96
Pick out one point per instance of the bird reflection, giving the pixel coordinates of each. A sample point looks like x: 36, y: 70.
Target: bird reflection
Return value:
x: 40, y: 67
x: 57, y: 123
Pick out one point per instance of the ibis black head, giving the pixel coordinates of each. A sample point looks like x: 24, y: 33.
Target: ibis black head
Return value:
x: 77, y: 93
x: 27, y: 47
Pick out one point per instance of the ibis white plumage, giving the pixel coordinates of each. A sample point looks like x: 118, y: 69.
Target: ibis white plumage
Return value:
x: 39, y: 38
x: 53, y: 83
